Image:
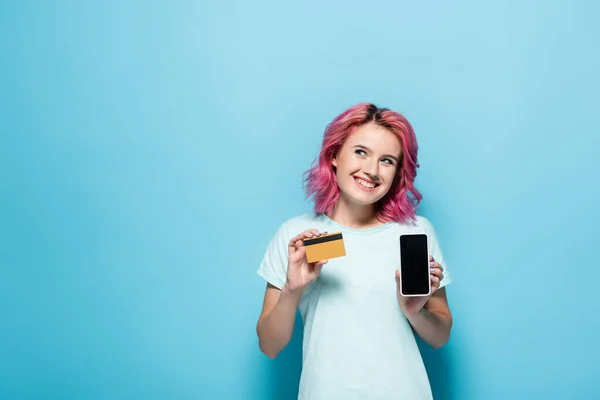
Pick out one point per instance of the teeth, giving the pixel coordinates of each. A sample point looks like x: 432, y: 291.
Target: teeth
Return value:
x: 365, y: 183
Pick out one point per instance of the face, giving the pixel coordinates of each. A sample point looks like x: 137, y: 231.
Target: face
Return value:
x: 367, y: 163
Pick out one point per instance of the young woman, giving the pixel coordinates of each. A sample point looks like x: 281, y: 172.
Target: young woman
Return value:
x: 358, y: 328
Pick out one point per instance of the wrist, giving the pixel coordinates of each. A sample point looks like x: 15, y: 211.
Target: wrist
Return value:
x: 414, y: 314
x: 289, y: 291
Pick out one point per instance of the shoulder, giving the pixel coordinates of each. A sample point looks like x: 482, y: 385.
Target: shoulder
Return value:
x: 419, y: 224
x: 423, y: 222
x: 296, y: 224
x: 300, y: 221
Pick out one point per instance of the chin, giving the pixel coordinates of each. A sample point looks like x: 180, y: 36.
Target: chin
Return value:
x: 363, y: 198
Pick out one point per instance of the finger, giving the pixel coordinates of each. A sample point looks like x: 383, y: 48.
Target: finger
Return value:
x: 294, y: 240
x: 435, y: 281
x: 431, y: 259
x: 307, y: 233
x: 300, y: 249
x: 298, y: 238
x: 311, y: 233
x: 397, y: 276
x: 437, y: 272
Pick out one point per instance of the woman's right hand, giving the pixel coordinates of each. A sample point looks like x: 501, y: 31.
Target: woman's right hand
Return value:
x: 301, y: 273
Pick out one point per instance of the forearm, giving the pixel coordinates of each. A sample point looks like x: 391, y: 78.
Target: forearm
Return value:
x: 276, y: 329
x: 432, y: 328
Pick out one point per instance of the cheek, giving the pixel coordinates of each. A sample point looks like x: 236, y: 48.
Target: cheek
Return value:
x: 346, y: 164
x: 389, y: 176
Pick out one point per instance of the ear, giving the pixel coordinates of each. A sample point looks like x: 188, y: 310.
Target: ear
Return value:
x: 334, y: 161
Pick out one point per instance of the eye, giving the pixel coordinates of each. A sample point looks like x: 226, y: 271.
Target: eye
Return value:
x: 360, y: 152
x: 388, y: 161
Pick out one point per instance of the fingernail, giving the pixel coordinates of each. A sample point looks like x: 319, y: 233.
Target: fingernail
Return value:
x: 431, y: 263
x: 310, y: 234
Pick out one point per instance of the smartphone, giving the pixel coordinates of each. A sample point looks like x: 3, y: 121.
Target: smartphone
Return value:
x: 415, y: 277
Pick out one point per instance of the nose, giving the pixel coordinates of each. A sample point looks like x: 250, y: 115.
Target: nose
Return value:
x: 371, y: 168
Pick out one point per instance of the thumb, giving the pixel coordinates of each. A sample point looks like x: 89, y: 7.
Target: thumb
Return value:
x: 319, y: 266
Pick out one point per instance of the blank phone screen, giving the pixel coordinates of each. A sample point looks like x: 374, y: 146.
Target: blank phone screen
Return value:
x: 414, y: 264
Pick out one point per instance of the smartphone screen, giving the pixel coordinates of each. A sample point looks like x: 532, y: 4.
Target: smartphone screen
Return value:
x: 414, y: 265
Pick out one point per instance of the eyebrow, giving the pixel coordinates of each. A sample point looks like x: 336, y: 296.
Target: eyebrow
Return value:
x: 360, y: 146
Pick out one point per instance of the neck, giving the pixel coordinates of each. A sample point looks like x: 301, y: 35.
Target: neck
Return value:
x: 355, y: 216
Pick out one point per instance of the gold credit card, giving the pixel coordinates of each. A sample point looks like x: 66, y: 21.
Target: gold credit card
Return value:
x: 325, y: 247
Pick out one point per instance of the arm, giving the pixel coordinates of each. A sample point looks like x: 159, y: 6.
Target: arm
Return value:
x: 276, y: 322
x: 433, y: 322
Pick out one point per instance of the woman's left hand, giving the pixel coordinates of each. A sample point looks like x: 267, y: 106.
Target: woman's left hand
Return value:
x: 411, y: 306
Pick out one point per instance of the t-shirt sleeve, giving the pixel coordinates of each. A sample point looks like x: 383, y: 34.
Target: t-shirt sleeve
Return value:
x: 435, y: 251
x: 273, y: 267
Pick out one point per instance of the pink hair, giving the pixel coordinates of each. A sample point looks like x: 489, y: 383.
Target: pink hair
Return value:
x: 400, y: 203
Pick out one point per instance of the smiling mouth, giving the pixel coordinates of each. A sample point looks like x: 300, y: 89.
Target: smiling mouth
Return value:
x: 366, y: 184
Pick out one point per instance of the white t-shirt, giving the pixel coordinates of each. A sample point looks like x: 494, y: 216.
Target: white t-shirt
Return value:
x: 357, y: 343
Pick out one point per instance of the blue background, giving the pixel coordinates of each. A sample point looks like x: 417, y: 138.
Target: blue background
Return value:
x: 149, y: 151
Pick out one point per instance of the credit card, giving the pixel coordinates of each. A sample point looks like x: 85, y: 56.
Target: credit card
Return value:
x: 325, y: 247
